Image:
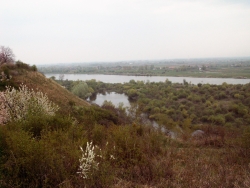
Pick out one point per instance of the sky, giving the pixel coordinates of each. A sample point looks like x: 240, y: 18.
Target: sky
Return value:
x: 64, y: 31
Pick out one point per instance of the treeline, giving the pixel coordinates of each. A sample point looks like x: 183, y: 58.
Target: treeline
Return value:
x: 223, y: 69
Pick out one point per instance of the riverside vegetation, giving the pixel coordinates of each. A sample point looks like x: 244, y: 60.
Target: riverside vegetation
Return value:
x: 83, y: 145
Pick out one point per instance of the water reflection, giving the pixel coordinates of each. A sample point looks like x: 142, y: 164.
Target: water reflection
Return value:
x: 117, y: 99
x: 92, y: 97
x: 114, y: 97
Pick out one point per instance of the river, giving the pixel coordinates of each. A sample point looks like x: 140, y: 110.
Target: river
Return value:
x: 123, y: 79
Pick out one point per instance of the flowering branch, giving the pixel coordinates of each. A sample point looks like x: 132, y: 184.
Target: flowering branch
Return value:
x: 17, y: 104
x: 87, y: 161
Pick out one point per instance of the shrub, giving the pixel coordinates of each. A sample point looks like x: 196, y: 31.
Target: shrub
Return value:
x: 82, y: 90
x: 132, y: 93
x: 20, y: 64
x: 87, y: 161
x: 19, y: 103
x: 42, y: 122
x: 34, y: 68
x: 45, y: 162
x: 3, y: 111
x: 218, y: 119
x: 229, y: 117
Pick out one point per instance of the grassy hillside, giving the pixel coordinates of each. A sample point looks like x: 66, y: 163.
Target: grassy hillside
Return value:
x: 55, y: 92
x: 36, y: 80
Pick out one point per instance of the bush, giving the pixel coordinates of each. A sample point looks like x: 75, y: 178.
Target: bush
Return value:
x: 22, y: 65
x: 229, y: 117
x: 23, y: 102
x: 132, y: 94
x: 82, y: 90
x: 45, y: 162
x: 218, y: 119
x: 37, y: 124
x: 33, y: 68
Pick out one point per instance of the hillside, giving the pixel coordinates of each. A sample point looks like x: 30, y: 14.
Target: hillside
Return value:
x: 55, y: 92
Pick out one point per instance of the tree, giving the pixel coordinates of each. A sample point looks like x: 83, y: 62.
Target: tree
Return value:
x: 132, y: 93
x: 82, y: 90
x: 6, y: 55
x: 185, y: 82
x: 61, y: 77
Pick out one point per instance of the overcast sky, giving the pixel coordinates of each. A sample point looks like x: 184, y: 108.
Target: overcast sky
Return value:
x: 60, y: 31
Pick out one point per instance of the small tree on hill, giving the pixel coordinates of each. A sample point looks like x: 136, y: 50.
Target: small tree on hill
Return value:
x: 6, y: 55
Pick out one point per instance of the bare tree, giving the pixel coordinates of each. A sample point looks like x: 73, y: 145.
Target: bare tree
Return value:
x: 6, y: 55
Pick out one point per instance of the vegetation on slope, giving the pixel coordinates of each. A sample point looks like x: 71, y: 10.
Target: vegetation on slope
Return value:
x: 44, y: 151
x: 21, y: 73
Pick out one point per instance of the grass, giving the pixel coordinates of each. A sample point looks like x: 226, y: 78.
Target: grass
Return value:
x: 54, y: 91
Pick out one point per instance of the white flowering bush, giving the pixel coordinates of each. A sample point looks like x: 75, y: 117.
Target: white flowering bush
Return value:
x: 17, y: 104
x: 3, y: 111
x: 92, y: 158
x: 87, y: 161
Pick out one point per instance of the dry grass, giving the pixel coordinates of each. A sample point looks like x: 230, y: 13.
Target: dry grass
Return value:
x: 206, y: 168
x: 54, y: 91
x: 201, y: 168
x: 216, y: 160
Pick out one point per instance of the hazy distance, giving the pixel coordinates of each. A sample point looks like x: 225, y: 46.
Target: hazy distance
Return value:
x: 50, y: 32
